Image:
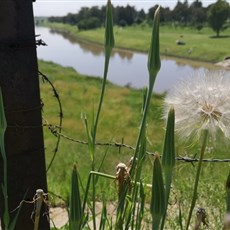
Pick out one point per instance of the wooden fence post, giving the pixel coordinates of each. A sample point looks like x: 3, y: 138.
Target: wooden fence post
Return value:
x: 24, y: 135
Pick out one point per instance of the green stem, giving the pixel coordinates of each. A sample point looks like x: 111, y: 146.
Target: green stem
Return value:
x: 107, y: 58
x: 143, y: 122
x: 168, y: 182
x: 194, y: 197
x: 4, y: 185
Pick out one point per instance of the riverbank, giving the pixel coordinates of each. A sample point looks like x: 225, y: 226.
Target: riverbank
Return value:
x: 199, y: 46
x: 119, y: 122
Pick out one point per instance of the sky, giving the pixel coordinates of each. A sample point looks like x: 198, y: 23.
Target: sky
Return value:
x: 63, y: 7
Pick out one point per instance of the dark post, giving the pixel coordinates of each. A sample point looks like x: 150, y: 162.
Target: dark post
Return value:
x: 24, y: 135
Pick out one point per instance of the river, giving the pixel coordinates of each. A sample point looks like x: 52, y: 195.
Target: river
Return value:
x: 126, y: 68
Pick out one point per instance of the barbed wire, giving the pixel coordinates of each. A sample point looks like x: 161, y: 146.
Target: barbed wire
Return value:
x: 57, y: 131
x: 54, y: 131
x: 59, y: 128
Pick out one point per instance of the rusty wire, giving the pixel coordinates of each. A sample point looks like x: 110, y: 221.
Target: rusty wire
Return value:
x: 54, y: 131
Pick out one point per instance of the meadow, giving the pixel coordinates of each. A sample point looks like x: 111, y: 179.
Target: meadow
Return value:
x: 142, y: 193
x: 120, y: 120
x: 199, y: 45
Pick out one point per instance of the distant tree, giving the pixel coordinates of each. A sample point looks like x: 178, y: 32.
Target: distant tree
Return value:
x: 124, y: 15
x: 181, y: 13
x: 119, y: 15
x: 71, y: 19
x: 130, y: 14
x: 198, y: 15
x: 89, y: 23
x: 140, y: 17
x: 218, y: 14
x: 84, y: 13
x: 166, y: 15
x: 55, y: 19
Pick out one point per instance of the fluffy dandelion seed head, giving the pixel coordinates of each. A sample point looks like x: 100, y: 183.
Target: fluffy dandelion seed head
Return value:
x: 201, y: 102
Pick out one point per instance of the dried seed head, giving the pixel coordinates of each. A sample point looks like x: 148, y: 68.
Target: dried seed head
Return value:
x: 131, y: 161
x: 200, y: 218
x: 123, y: 177
x: 121, y: 167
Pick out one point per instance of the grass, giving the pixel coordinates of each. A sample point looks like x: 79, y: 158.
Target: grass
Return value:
x: 200, y: 46
x: 120, y: 119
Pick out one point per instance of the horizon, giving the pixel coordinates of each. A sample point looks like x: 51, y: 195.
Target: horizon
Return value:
x: 62, y: 8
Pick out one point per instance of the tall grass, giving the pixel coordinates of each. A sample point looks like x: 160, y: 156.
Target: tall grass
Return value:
x: 138, y: 205
x: 131, y: 192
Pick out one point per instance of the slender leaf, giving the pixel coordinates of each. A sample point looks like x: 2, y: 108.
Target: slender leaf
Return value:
x: 228, y: 194
x: 168, y: 157
x: 157, y: 206
x: 75, y: 216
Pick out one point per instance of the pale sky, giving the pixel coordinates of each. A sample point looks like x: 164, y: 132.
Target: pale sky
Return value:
x: 63, y: 7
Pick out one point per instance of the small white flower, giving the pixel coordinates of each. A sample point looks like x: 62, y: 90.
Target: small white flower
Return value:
x: 201, y: 102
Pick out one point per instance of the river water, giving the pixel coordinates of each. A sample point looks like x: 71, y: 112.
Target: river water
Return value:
x: 126, y: 68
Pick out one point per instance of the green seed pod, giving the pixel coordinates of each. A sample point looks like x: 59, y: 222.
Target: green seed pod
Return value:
x: 157, y: 206
x: 154, y: 62
x: 168, y: 156
x: 109, y: 36
x: 75, y: 215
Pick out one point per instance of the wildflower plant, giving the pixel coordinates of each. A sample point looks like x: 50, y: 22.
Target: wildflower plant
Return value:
x: 202, y: 109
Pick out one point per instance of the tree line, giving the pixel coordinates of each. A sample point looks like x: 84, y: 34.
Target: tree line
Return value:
x: 183, y: 14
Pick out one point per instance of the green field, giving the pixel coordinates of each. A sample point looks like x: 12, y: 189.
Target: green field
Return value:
x: 200, y: 46
x: 119, y: 121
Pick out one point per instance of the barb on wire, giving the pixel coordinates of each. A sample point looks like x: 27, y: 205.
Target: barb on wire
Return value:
x: 54, y: 130
x: 59, y: 127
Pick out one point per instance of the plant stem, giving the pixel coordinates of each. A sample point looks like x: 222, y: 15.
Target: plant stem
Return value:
x: 194, y: 197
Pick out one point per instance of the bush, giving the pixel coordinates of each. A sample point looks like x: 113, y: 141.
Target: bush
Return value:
x: 90, y: 23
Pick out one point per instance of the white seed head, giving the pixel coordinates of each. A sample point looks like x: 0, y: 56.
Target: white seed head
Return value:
x: 121, y: 167
x: 201, y: 102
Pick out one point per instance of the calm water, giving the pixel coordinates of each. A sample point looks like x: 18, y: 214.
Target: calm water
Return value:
x: 126, y: 68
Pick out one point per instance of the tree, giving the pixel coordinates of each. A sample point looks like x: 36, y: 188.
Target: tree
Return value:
x: 24, y: 136
x: 89, y: 23
x: 181, y: 13
x: 140, y: 17
x: 198, y: 15
x: 218, y: 14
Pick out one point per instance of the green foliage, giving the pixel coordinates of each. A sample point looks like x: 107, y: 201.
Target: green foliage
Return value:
x: 75, y: 212
x: 89, y: 23
x: 158, y: 203
x: 218, y: 14
x: 183, y: 14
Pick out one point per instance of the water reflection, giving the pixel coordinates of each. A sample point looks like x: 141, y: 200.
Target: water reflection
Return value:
x: 93, y: 48
x: 126, y: 68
